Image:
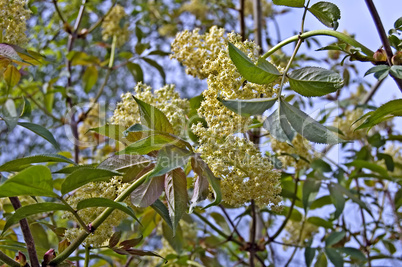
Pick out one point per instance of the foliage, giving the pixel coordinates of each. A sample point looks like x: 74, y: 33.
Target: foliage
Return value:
x: 231, y: 176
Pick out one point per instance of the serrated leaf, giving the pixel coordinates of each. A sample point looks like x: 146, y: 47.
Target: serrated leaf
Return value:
x: 354, y: 253
x: 289, y: 3
x: 32, y: 209
x: 176, y: 195
x: 158, y: 67
x: 202, y: 169
x: 33, y: 181
x: 380, y: 72
x: 162, y: 210
x: 314, y: 81
x: 107, y: 203
x: 326, y: 12
x: 337, y: 200
x: 41, y: 131
x: 279, y: 127
x: 125, y: 162
x: 153, y: 117
x: 113, y: 131
x: 22, y: 163
x: 263, y: 73
x: 89, y: 78
x: 307, y: 126
x: 136, y: 71
x: 170, y: 158
x: 85, y: 175
x: 386, y: 111
x: 248, y: 107
x: 334, y: 256
x: 148, y: 192
x: 310, y: 191
x: 309, y: 254
x: 320, y: 222
x: 9, y: 52
x: 11, y: 76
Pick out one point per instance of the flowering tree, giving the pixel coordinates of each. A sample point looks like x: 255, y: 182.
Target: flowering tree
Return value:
x: 237, y: 175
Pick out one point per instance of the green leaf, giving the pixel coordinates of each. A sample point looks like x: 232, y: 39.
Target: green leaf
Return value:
x: 314, y: 81
x: 307, y: 126
x: 41, y: 131
x: 136, y: 252
x: 176, y: 241
x: 124, y: 162
x: 22, y: 163
x: 113, y: 131
x: 317, y: 221
x: 11, y: 76
x: 354, y: 253
x: 148, y: 192
x: 309, y: 254
x: 10, y: 115
x: 162, y: 210
x: 85, y: 175
x: 28, y: 56
x: 170, y: 158
x: 33, y: 181
x: 337, y: 200
x: 396, y: 71
x: 386, y: 111
x: 326, y: 12
x: 320, y: 165
x: 321, y: 202
x: 89, y: 78
x: 310, y: 190
x: 202, y: 169
x: 247, y: 107
x: 201, y: 189
x: 290, y: 3
x: 153, y: 117
x: 380, y: 72
x: 27, y: 108
x: 369, y: 165
x: 108, y: 203
x: 158, y: 67
x: 355, y: 199
x: 334, y: 256
x: 321, y: 260
x: 136, y: 71
x: 32, y: 209
x: 153, y: 143
x: 176, y: 195
x: 263, y: 73
x: 279, y: 127
x: 9, y: 52
x: 398, y: 23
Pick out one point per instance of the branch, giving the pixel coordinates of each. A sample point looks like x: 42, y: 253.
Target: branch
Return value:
x: 7, y: 260
x: 33, y: 257
x: 383, y: 37
x: 59, y: 12
x: 252, y: 238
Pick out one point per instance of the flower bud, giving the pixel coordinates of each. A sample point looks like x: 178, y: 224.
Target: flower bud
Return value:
x: 21, y: 258
x: 49, y: 255
x: 397, y: 58
x: 380, y: 57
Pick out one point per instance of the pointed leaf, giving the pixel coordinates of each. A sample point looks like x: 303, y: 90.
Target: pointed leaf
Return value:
x: 314, y: 81
x: 10, y: 115
x: 279, y: 127
x: 158, y: 67
x: 386, y: 111
x: 124, y: 162
x: 396, y: 71
x: 337, y: 200
x: 136, y: 71
x: 170, y: 158
x: 202, y: 169
x: 354, y: 198
x: 162, y: 210
x: 114, y: 239
x: 85, y: 175
x: 334, y: 238
x: 290, y: 3
x: 334, y: 256
x: 370, y: 166
x: 309, y: 254
x: 320, y: 222
x: 380, y: 72
x: 247, y: 107
x: 9, y: 52
x: 176, y: 195
x: 154, y: 118
x: 262, y: 73
x: 126, y: 244
x: 321, y: 260
x: 33, y: 181
x: 307, y: 126
x: 175, y: 240
x: 310, y: 190
x: 41, y: 131
x: 11, y: 76
x: 31, y: 209
x: 201, y: 190
x: 112, y: 131
x: 22, y: 163
x: 89, y: 78
x: 136, y: 252
x: 354, y: 253
x: 148, y: 192
x: 326, y: 12
x: 108, y: 203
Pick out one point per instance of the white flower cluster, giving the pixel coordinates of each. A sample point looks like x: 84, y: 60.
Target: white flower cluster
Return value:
x: 13, y: 16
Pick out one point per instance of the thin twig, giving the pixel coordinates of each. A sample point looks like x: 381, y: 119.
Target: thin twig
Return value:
x: 257, y: 22
x: 7, y: 260
x: 253, y: 231
x: 33, y: 257
x: 231, y: 222
x: 58, y: 11
x: 98, y: 23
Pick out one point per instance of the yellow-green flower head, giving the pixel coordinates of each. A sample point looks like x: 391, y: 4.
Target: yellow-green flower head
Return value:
x: 346, y: 126
x: 293, y: 229
x: 111, y: 26
x: 166, y: 99
x: 108, y: 190
x: 301, y: 147
x: 13, y: 16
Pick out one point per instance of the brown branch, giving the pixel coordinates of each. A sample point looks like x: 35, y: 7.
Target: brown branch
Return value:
x: 242, y: 21
x: 33, y: 257
x: 230, y: 221
x: 383, y: 36
x: 59, y: 12
x: 252, y: 237
x: 257, y: 23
